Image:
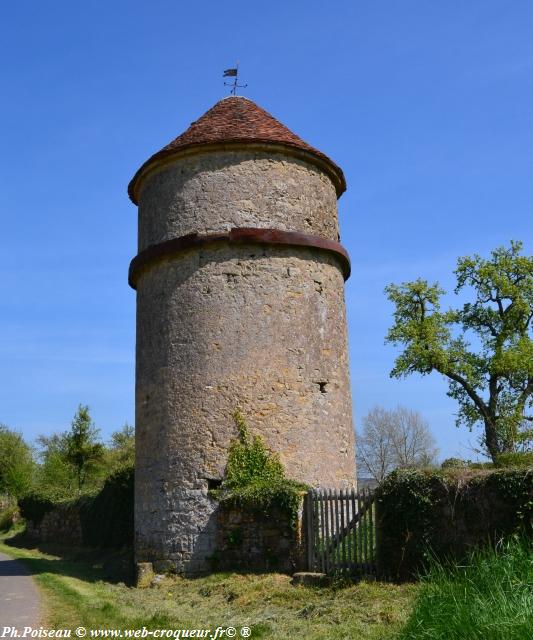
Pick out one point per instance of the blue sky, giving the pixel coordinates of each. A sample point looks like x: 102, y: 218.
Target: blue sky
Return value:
x: 427, y: 106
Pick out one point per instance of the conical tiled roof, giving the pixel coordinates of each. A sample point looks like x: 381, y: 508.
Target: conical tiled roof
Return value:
x: 237, y: 120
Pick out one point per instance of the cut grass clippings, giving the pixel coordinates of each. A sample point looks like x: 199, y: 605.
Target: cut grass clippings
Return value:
x: 75, y: 594
x: 490, y: 597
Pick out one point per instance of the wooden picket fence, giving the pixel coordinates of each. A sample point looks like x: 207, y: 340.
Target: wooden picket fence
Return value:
x: 341, y: 532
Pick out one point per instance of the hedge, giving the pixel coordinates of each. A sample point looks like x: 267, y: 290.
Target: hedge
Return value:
x: 34, y: 507
x: 106, y: 518
x: 447, y: 513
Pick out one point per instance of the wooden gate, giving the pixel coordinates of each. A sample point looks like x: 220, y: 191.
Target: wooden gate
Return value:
x: 341, y: 532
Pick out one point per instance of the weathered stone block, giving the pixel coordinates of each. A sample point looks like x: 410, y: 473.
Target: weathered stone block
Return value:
x: 144, y: 574
x: 310, y: 579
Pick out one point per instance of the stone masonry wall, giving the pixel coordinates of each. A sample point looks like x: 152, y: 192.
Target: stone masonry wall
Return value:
x: 62, y: 525
x: 262, y: 328
x: 218, y: 330
x: 250, y: 539
x: 445, y: 515
x: 204, y: 193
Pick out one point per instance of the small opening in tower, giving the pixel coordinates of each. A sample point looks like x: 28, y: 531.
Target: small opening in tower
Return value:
x: 322, y: 386
x: 213, y: 483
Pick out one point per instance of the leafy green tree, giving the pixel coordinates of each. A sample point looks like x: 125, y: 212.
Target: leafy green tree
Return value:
x: 121, y: 452
x: 56, y: 477
x: 484, y: 348
x: 72, y: 462
x: 83, y: 451
x: 16, y: 463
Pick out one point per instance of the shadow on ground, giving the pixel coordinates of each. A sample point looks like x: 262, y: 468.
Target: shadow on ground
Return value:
x: 84, y: 563
x: 94, y: 565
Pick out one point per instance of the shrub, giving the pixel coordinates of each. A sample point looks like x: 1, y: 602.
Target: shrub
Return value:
x: 8, y: 517
x: 447, y: 513
x: 481, y: 465
x: 16, y: 463
x: 255, y: 477
x: 249, y: 461
x: 454, y: 463
x: 34, y: 507
x: 522, y: 460
x: 107, y: 518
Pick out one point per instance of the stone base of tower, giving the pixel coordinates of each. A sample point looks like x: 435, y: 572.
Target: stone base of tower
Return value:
x: 227, y: 537
x: 262, y: 329
x: 181, y: 538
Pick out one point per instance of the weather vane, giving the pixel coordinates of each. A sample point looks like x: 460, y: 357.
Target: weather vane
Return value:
x: 233, y: 73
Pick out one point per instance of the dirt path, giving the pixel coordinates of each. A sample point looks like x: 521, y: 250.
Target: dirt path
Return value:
x: 20, y: 602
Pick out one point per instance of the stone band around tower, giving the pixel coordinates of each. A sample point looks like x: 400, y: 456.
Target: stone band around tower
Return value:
x: 243, y: 235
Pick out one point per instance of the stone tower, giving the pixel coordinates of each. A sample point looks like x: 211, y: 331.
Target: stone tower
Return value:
x: 240, y: 303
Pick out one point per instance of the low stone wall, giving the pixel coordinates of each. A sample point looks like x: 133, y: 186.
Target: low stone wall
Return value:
x: 62, y: 525
x: 104, y: 520
x: 250, y: 539
x: 247, y: 538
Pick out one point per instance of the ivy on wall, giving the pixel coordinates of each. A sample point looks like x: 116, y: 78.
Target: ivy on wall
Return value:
x: 255, y: 477
x: 446, y: 513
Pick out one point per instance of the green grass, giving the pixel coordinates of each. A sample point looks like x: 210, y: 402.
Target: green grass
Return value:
x: 76, y: 593
x: 489, y: 598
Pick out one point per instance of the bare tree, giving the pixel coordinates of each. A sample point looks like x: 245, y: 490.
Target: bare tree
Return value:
x: 375, y: 454
x: 392, y: 439
x: 412, y: 441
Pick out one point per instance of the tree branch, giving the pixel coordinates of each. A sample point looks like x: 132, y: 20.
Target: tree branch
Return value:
x: 485, y: 323
x: 469, y: 390
x: 498, y: 301
x: 528, y: 390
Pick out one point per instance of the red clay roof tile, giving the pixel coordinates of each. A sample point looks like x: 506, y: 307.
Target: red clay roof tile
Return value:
x: 237, y: 120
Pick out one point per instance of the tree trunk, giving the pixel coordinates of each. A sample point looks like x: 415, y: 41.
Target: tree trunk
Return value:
x: 491, y: 439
